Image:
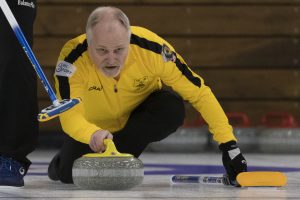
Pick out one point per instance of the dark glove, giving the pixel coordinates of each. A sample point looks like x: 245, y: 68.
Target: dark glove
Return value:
x: 233, y: 160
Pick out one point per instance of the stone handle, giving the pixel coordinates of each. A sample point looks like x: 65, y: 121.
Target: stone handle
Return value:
x: 111, y: 151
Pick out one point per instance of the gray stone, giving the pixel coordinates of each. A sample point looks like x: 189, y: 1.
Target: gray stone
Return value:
x: 107, y: 173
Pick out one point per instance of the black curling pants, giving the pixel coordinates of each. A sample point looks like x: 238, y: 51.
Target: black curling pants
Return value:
x: 18, y: 87
x: 156, y: 118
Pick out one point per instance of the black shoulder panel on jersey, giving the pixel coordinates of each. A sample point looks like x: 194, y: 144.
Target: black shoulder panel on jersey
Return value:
x: 145, y: 44
x: 157, y: 48
x: 77, y: 52
x: 64, y: 86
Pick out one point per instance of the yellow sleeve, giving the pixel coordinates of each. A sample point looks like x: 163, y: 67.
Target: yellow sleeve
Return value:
x: 175, y: 73
x: 69, y: 83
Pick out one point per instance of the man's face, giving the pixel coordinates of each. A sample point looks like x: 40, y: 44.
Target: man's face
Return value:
x: 108, y: 48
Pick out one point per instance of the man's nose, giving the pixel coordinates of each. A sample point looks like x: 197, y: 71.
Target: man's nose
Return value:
x: 111, y: 57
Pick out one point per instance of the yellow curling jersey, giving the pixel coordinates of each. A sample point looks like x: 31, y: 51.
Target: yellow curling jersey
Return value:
x: 107, y: 103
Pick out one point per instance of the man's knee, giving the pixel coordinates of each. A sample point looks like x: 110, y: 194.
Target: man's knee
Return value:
x: 171, y: 107
x: 167, y: 111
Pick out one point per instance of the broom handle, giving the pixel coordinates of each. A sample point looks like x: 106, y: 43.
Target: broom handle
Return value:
x: 218, y: 180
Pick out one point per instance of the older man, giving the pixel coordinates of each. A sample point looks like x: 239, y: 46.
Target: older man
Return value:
x: 118, y: 70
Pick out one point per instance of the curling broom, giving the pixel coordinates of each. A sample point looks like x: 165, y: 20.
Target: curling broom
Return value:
x: 244, y: 179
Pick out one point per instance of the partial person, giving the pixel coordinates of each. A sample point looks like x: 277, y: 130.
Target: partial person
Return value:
x: 118, y: 71
x: 18, y: 92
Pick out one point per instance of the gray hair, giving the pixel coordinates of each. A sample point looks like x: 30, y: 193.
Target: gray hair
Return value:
x: 104, y: 13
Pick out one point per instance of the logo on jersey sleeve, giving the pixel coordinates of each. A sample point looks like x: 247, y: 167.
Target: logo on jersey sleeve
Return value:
x: 64, y: 68
x: 167, y: 54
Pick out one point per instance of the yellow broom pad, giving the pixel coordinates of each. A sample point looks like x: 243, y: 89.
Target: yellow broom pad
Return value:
x: 261, y: 178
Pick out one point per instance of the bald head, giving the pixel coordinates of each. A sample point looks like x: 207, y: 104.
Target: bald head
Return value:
x: 109, y: 18
x: 108, y: 36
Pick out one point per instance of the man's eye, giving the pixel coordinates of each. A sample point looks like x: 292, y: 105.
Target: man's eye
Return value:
x: 101, y: 50
x: 118, y: 50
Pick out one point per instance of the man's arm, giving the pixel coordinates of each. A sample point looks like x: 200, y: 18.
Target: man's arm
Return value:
x: 175, y: 73
x: 69, y: 83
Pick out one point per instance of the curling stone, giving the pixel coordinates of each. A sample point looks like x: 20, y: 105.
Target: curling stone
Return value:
x: 191, y: 137
x: 109, y: 170
x: 280, y: 133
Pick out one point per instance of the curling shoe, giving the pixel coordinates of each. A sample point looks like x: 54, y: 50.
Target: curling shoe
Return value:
x: 11, y: 172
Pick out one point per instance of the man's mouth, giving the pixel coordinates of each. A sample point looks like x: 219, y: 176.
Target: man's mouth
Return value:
x: 110, y: 67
